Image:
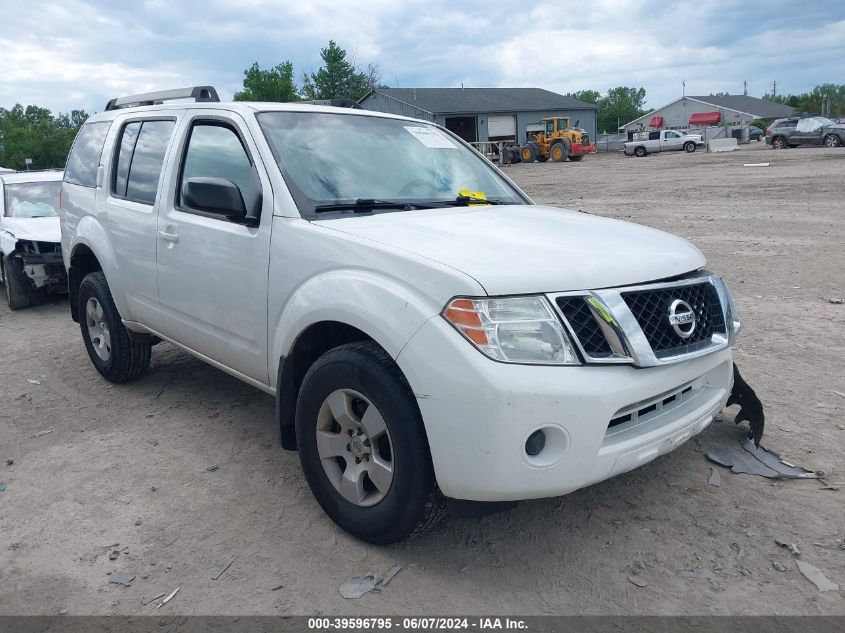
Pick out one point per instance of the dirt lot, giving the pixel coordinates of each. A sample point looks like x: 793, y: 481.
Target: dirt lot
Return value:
x: 126, y: 467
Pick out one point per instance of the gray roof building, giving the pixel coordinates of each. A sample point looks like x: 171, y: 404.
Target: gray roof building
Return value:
x: 760, y: 108
x: 481, y: 114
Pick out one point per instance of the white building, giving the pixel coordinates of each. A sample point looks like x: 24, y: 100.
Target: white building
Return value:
x: 718, y: 116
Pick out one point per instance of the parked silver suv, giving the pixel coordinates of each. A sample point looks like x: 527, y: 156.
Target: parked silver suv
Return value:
x: 815, y: 130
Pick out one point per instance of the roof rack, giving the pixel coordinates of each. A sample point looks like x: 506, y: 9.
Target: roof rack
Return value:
x: 197, y: 93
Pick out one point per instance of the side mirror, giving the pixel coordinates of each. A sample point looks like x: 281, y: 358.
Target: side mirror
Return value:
x: 217, y: 196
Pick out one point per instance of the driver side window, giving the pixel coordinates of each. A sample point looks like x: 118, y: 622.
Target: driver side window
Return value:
x: 215, y: 151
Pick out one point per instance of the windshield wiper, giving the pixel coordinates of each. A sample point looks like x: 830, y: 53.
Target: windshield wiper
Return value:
x: 468, y: 200
x: 365, y: 205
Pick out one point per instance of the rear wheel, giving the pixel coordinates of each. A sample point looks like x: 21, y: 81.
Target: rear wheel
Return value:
x: 831, y: 140
x: 689, y: 147
x: 576, y: 158
x: 778, y: 143
x: 116, y: 355
x: 18, y: 288
x: 362, y: 445
x: 528, y: 153
x: 640, y: 151
x: 558, y: 153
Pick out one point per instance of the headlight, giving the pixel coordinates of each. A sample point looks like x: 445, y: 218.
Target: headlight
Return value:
x: 513, y: 330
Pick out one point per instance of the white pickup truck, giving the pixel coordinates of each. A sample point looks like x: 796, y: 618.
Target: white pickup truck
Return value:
x: 667, y: 141
x: 429, y: 333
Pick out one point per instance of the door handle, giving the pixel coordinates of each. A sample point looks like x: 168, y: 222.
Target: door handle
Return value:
x: 168, y: 237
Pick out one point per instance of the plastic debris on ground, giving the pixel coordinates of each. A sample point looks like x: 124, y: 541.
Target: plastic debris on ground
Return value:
x: 792, y: 547
x: 760, y: 461
x: 2, y: 487
x: 121, y: 578
x: 357, y: 586
x: 815, y: 576
x: 639, y: 582
x: 168, y: 598
x: 219, y: 570
x: 715, y: 478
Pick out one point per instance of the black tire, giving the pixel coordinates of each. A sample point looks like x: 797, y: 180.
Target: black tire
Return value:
x: 640, y: 151
x: 528, y: 153
x: 18, y: 288
x: 413, y: 502
x: 831, y: 140
x: 576, y: 158
x: 128, y: 359
x: 689, y: 147
x: 779, y: 142
x: 558, y: 153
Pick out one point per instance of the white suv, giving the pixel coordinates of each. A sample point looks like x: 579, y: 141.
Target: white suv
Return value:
x: 428, y: 332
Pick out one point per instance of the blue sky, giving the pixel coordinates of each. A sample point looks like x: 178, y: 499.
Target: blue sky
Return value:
x: 79, y: 53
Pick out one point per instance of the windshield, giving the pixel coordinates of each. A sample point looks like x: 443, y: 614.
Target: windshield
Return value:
x: 32, y: 199
x: 332, y: 159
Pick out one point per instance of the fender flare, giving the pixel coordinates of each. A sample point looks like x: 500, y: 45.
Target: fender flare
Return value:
x: 384, y: 308
x: 90, y: 233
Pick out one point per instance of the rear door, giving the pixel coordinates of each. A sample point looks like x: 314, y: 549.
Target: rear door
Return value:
x: 212, y: 272
x: 131, y: 205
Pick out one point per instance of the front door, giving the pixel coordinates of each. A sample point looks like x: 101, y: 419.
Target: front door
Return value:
x: 212, y: 272
x: 671, y: 140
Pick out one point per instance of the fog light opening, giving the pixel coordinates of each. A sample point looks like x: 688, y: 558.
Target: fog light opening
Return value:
x: 535, y: 443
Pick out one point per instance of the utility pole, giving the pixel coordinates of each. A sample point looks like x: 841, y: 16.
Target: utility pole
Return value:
x: 774, y: 88
x: 744, y: 87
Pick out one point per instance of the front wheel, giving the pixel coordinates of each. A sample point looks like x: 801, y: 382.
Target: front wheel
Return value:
x: 18, y: 288
x: 362, y: 445
x: 831, y: 140
x: 689, y: 147
x: 116, y: 355
x: 558, y: 153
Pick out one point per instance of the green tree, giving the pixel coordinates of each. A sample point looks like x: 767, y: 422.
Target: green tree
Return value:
x: 619, y: 106
x: 825, y: 98
x: 340, y: 77
x: 587, y: 96
x: 33, y: 132
x: 273, y: 84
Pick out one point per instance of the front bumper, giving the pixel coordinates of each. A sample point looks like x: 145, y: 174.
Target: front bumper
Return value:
x: 478, y: 414
x: 583, y: 148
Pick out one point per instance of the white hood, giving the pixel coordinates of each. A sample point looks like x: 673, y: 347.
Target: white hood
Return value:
x: 529, y: 249
x: 31, y: 229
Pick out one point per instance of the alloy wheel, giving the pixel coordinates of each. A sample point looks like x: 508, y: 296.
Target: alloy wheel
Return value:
x: 98, y: 329
x: 354, y: 447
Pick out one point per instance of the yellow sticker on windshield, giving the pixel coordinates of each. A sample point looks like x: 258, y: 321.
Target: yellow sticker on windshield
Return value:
x: 478, y: 196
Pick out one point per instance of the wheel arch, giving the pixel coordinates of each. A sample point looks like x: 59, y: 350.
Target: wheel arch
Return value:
x: 314, y: 341
x: 90, y: 251
x: 353, y: 305
x: 82, y: 262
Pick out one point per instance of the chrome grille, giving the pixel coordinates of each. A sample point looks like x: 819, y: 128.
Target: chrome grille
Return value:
x: 651, y: 309
x: 631, y: 325
x: 584, y: 326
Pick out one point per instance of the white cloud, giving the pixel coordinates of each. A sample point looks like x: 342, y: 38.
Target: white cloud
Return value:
x: 78, y: 53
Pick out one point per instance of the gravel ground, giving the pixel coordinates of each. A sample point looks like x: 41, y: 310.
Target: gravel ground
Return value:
x: 98, y: 468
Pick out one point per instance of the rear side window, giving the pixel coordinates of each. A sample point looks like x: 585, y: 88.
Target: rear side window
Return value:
x: 140, y: 158
x: 216, y: 151
x: 84, y: 159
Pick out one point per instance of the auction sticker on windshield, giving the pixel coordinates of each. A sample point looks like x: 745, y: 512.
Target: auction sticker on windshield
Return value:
x: 430, y: 137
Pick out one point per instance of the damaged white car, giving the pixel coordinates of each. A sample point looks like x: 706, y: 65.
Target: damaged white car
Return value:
x: 30, y: 236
